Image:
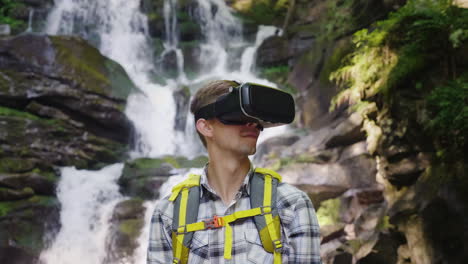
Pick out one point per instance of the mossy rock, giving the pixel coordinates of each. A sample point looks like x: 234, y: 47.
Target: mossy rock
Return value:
x: 82, y: 63
x: 16, y: 164
x: 143, y: 177
x: 69, y: 58
x: 262, y: 12
x: 30, y: 142
x: 26, y: 222
x: 329, y: 212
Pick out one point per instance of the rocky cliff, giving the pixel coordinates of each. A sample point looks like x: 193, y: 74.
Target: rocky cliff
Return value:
x: 385, y: 166
x: 61, y: 104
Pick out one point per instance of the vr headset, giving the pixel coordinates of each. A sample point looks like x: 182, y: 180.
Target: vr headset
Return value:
x: 251, y: 103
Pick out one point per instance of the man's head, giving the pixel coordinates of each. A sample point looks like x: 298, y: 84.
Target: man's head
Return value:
x: 213, y: 130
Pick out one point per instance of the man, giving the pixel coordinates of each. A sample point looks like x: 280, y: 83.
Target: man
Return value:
x: 226, y: 187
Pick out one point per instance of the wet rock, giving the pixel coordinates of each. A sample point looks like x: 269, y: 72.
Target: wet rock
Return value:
x: 385, y: 251
x: 67, y: 74
x: 61, y: 104
x: 127, y: 223
x: 30, y: 142
x: 23, y: 224
x: 182, y: 99
x: 7, y: 194
x: 406, y: 171
x: 128, y: 209
x: 41, y: 184
x: 143, y: 177
x: 273, y: 147
x: 273, y: 51
x: 346, y: 132
x: 16, y: 255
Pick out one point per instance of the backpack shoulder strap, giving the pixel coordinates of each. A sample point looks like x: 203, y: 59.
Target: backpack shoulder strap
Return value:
x: 263, y: 190
x: 186, y: 198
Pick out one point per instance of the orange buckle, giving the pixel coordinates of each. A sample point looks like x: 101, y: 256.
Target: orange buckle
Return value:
x: 215, y: 222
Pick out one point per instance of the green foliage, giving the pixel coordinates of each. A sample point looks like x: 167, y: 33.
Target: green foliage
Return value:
x: 337, y: 19
x: 6, y: 8
x: 402, y: 48
x: 278, y: 74
x: 329, y: 212
x: 419, y: 51
x: 5, y: 111
x: 448, y: 107
x: 268, y: 12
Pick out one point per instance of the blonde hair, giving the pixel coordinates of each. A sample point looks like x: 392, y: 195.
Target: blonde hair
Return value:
x: 207, y: 95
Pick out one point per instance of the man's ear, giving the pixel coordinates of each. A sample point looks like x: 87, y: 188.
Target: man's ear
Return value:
x: 204, y: 127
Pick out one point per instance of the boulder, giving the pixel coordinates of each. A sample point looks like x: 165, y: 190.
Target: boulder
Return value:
x: 182, y: 99
x: 40, y: 183
x: 126, y: 225
x: 23, y: 224
x: 30, y: 142
x: 61, y: 104
x: 67, y: 74
x: 273, y: 51
x: 16, y: 255
x: 143, y: 177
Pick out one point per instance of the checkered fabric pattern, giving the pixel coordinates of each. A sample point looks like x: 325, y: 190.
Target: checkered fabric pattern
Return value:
x: 300, y: 229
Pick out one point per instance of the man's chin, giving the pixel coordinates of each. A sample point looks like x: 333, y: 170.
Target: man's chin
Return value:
x: 246, y: 150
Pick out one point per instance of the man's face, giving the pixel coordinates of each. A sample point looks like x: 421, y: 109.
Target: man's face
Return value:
x: 240, y: 139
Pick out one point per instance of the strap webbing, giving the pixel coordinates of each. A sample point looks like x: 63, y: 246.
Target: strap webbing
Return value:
x: 269, y: 219
x: 179, y: 245
x: 261, y: 211
x: 224, y: 221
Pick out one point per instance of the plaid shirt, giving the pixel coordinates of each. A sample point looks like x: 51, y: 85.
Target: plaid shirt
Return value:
x: 300, y: 229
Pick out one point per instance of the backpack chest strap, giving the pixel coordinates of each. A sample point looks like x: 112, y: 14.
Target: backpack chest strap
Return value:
x: 224, y: 221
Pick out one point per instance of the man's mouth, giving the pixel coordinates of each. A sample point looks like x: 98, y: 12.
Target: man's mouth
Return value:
x: 250, y: 133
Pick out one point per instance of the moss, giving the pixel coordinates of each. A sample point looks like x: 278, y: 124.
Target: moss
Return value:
x: 333, y: 62
x: 10, y: 112
x: 176, y: 162
x: 8, y: 207
x: 83, y: 63
x: 131, y: 227
x: 278, y: 74
x: 384, y: 224
x: 329, y: 212
x: 145, y: 163
x: 266, y: 12
x: 11, y: 164
x: 49, y: 175
x: 5, y: 111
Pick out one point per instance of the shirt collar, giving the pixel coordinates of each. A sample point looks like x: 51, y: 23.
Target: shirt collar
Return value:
x: 208, y: 189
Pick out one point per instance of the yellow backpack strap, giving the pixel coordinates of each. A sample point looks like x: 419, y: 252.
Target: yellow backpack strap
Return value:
x: 263, y: 189
x: 186, y: 198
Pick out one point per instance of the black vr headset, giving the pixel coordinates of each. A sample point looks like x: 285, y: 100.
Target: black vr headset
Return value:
x: 251, y: 103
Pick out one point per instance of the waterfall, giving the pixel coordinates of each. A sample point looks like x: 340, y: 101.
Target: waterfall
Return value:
x: 87, y: 200
x: 30, y: 18
x: 120, y: 31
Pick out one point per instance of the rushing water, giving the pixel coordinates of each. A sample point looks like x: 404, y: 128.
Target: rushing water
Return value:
x: 87, y: 200
x: 120, y: 31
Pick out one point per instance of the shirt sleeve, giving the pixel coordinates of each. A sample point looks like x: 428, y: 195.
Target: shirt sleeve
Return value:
x: 303, y: 232
x: 160, y: 242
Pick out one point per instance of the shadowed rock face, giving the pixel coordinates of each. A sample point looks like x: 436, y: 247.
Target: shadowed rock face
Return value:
x: 69, y: 75
x: 61, y: 104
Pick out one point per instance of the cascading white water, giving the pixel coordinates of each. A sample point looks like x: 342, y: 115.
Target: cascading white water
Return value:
x: 171, y: 40
x: 119, y: 30
x: 122, y: 33
x: 30, y: 18
x: 87, y: 200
